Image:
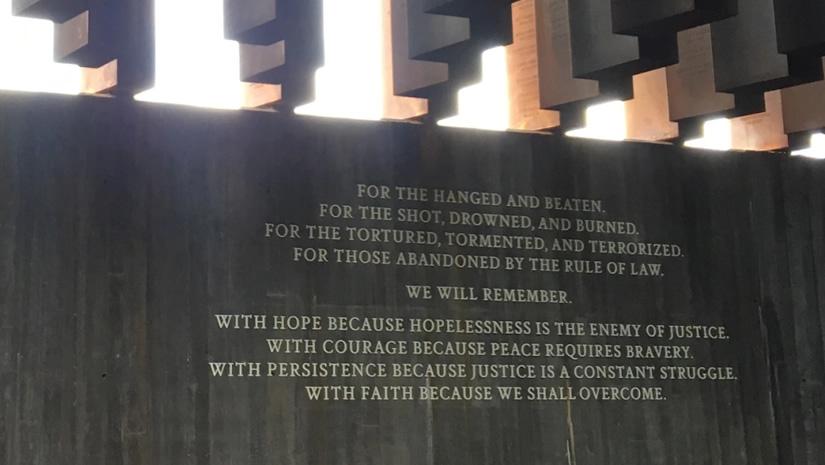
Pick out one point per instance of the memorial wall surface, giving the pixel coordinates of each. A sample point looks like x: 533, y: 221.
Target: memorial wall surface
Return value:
x: 182, y: 286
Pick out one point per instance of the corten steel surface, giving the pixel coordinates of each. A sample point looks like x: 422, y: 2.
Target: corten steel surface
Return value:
x: 450, y: 38
x: 257, y: 21
x: 262, y: 63
x: 800, y: 27
x: 523, y: 72
x: 111, y: 30
x: 647, y: 114
x: 428, y: 32
x: 487, y: 24
x: 101, y: 80
x: 398, y: 66
x: 803, y: 108
x: 600, y: 53
x: 745, y: 54
x: 761, y: 131
x: 54, y: 10
x: 410, y: 75
x: 282, y: 43
x: 457, y: 41
x: 643, y: 17
x: 558, y: 89
x: 692, y: 94
x: 260, y: 95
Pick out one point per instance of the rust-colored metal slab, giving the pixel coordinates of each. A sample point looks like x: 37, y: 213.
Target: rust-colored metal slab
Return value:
x: 457, y: 41
x: 257, y: 95
x: 800, y: 27
x: 398, y: 67
x: 410, y: 75
x: 112, y: 30
x: 523, y: 72
x: 761, y: 131
x: 558, y: 89
x: 281, y: 43
x: 647, y: 114
x: 692, y: 94
x: 657, y: 18
x: 803, y: 107
x: 599, y: 53
x: 746, y: 57
x: 54, y: 10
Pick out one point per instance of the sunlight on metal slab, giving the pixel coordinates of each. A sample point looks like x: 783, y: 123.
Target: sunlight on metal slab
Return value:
x: 716, y: 135
x: 816, y: 149
x: 350, y: 85
x: 194, y: 64
x: 485, y: 105
x: 604, y: 121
